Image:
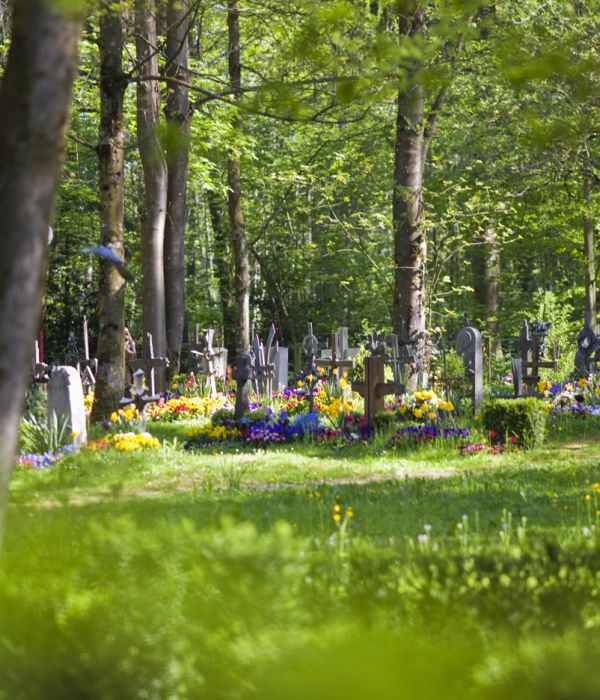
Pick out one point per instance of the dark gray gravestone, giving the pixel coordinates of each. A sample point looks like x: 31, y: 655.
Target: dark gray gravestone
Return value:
x: 517, y: 374
x: 469, y: 346
x: 243, y: 372
x: 65, y: 402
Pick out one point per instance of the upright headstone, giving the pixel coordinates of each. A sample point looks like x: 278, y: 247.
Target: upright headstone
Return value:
x: 65, y: 402
x: 469, y: 345
x: 280, y: 360
x: 517, y: 376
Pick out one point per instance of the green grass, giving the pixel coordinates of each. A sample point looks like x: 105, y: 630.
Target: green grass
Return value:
x: 205, y: 575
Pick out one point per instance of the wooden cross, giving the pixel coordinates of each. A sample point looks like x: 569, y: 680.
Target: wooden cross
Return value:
x: 149, y: 363
x: 532, y: 351
x: 374, y: 388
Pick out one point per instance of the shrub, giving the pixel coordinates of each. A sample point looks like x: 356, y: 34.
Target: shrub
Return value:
x: 384, y: 421
x: 523, y: 419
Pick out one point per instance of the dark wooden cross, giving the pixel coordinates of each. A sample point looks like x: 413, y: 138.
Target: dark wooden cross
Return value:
x: 532, y: 352
x: 149, y: 363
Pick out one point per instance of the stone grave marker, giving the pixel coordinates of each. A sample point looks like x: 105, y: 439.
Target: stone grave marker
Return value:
x: 469, y: 346
x: 65, y: 402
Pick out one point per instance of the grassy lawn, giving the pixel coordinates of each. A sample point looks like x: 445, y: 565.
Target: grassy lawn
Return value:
x: 170, y: 574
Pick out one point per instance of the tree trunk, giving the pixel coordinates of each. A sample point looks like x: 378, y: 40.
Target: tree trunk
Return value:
x: 410, y: 246
x: 178, y: 123
x: 34, y: 102
x: 485, y: 261
x: 155, y: 182
x: 589, y: 248
x: 110, y: 379
x: 224, y: 268
x: 236, y: 217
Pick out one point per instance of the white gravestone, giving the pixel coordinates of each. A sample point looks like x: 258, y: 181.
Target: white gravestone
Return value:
x: 65, y: 401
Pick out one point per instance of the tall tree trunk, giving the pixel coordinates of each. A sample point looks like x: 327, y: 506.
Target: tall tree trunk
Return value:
x: 224, y: 267
x: 110, y: 379
x: 155, y: 182
x: 589, y: 247
x: 485, y: 262
x: 34, y: 102
x: 410, y: 246
x: 178, y: 123
x: 236, y: 216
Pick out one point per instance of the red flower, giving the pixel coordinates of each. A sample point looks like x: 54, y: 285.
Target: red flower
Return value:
x: 492, y: 433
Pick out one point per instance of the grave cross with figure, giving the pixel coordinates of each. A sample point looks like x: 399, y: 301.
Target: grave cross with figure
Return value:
x: 209, y: 361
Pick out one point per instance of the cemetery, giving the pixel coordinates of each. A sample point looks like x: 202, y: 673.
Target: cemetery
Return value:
x: 299, y: 350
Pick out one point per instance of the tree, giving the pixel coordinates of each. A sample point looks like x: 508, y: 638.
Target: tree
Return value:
x: 110, y: 378
x: 34, y: 101
x: 177, y: 114
x: 236, y: 216
x: 154, y: 166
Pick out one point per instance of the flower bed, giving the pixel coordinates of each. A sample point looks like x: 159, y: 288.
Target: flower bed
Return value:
x: 43, y: 461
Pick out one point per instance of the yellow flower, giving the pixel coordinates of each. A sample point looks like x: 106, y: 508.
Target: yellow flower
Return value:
x: 349, y: 513
x: 541, y: 386
x: 336, y: 517
x: 343, y: 383
x: 431, y: 415
x: 417, y: 413
x: 582, y: 382
x: 403, y: 409
x: 336, y: 508
x: 114, y: 417
x: 309, y: 377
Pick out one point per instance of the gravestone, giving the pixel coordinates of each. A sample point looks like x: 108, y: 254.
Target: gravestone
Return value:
x: 469, y: 346
x: 588, y: 348
x: 243, y: 372
x: 517, y: 376
x: 309, y: 374
x: 280, y: 361
x: 65, y: 402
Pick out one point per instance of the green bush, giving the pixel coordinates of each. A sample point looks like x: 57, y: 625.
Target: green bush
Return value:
x: 385, y: 421
x: 523, y: 419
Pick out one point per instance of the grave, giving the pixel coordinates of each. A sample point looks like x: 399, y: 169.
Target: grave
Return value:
x: 588, y: 348
x: 526, y: 369
x: 309, y: 373
x: 209, y: 361
x: 280, y: 361
x: 140, y: 396
x: 264, y: 368
x: 65, y: 402
x: 374, y: 388
x: 335, y: 357
x: 469, y: 346
x: 149, y: 363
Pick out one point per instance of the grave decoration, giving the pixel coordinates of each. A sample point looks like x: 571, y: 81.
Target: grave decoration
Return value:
x: 374, y: 387
x: 469, y: 347
x: 309, y: 374
x: 533, y: 346
x: 149, y: 363
x: 208, y: 361
x: 39, y: 369
x: 588, y: 348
